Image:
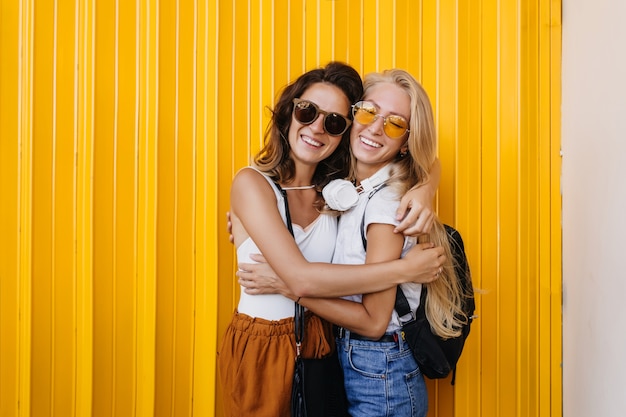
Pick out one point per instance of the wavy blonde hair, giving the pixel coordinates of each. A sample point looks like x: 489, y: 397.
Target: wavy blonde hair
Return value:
x: 445, y: 296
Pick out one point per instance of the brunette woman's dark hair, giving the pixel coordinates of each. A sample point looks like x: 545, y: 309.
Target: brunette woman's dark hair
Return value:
x: 274, y: 158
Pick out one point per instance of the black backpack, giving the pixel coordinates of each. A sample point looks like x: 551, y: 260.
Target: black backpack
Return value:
x: 435, y: 356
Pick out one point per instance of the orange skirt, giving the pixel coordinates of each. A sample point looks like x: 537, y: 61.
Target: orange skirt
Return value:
x: 256, y: 362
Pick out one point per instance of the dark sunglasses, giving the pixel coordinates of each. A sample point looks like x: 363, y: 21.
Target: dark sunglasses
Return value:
x: 394, y: 126
x: 306, y: 112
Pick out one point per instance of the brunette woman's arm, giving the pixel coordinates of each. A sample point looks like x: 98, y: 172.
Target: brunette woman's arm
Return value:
x: 254, y: 214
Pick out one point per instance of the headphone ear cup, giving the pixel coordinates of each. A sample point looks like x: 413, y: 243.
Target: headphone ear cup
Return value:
x: 340, y: 195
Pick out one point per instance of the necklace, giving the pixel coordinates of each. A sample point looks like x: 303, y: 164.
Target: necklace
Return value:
x: 302, y: 187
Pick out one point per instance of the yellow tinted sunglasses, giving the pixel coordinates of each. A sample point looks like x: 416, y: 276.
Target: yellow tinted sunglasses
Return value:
x: 366, y: 113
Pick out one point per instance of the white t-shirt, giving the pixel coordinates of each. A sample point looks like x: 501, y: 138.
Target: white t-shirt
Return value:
x: 378, y: 206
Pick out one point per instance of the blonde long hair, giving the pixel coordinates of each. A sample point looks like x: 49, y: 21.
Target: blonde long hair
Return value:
x: 445, y: 296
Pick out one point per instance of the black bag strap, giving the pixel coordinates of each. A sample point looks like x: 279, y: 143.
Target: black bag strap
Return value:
x: 287, y: 214
x: 369, y: 197
x: 299, y: 310
x: 403, y: 308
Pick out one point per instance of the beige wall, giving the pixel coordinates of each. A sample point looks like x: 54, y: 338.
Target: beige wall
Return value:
x: 594, y: 208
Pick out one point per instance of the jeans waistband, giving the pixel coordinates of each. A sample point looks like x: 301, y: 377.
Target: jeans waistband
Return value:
x: 341, y: 333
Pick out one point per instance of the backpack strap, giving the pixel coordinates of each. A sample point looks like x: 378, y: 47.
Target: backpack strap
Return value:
x: 374, y: 191
x: 403, y: 308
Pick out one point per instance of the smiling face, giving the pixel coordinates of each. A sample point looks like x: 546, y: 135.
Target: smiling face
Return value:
x: 310, y: 143
x: 371, y: 147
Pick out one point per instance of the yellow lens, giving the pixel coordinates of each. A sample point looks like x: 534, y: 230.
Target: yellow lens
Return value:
x: 364, y: 117
x: 395, y: 126
x: 364, y: 114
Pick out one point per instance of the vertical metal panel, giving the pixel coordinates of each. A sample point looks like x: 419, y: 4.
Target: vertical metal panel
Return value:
x: 103, y: 245
x: 468, y: 172
x: 15, y: 218
x: 122, y: 124
x: 550, y: 256
x: 147, y: 130
x: 115, y: 209
x: 225, y: 139
x: 84, y: 209
x: 53, y: 176
x: 25, y: 205
x: 209, y: 219
x: 176, y: 209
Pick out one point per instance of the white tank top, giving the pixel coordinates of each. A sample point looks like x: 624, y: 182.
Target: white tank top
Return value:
x: 317, y: 244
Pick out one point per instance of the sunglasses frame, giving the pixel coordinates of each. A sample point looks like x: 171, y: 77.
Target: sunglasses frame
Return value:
x: 356, y: 107
x: 319, y: 111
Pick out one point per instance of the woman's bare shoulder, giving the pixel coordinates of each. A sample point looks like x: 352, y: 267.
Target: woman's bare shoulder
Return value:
x: 250, y: 179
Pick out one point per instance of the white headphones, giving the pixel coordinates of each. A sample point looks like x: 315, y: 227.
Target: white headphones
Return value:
x: 342, y: 195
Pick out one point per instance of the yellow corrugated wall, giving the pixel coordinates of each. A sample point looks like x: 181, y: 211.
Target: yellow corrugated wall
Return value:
x: 123, y: 122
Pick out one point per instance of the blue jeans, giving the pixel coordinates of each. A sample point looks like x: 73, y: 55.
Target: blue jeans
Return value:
x: 382, y: 379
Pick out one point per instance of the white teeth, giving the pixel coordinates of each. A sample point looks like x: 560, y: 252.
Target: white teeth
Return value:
x: 370, y: 143
x: 311, y: 141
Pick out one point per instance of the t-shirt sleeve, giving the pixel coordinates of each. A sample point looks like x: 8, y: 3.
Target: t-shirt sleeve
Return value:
x: 382, y: 208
